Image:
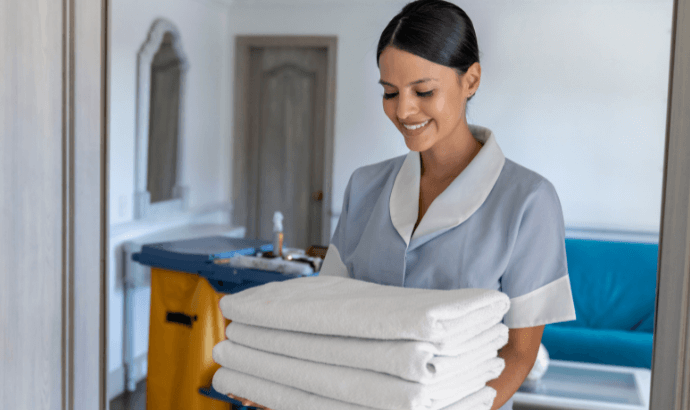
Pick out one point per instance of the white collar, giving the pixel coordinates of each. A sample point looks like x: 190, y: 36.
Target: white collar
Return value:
x: 456, y: 203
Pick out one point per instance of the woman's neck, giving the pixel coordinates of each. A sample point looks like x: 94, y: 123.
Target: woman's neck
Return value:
x: 447, y: 159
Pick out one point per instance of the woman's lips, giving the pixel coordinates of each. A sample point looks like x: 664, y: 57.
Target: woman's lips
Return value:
x: 414, y: 132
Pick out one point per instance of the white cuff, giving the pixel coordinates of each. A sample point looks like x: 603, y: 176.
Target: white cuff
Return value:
x: 550, y: 303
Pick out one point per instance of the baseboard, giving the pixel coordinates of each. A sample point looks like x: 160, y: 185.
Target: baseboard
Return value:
x: 116, y: 378
x: 116, y: 383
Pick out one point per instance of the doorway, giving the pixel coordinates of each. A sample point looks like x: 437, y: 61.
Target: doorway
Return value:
x: 283, y: 141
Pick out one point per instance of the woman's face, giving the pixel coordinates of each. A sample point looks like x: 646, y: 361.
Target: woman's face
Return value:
x: 420, y: 92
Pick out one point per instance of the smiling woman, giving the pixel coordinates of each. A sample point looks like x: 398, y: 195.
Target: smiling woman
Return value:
x: 432, y: 122
x: 454, y: 212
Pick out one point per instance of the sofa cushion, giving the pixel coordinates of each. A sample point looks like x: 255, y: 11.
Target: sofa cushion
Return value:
x: 613, y: 283
x: 646, y: 324
x: 615, y: 347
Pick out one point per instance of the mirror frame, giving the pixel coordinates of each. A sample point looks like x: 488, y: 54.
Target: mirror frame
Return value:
x: 143, y: 208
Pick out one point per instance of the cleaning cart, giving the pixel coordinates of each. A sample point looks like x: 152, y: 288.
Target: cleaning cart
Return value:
x: 188, y: 279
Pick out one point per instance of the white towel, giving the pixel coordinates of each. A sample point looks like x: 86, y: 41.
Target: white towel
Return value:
x: 357, y: 386
x: 280, y: 397
x: 270, y: 264
x: 349, y: 307
x: 416, y: 361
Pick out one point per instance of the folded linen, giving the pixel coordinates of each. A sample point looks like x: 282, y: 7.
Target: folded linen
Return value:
x: 416, y: 361
x: 280, y: 397
x: 271, y: 264
x: 357, y: 386
x: 348, y: 307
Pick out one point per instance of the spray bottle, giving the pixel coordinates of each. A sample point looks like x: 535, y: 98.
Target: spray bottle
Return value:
x: 278, y: 234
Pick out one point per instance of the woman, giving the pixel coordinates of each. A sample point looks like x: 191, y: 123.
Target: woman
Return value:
x: 454, y: 212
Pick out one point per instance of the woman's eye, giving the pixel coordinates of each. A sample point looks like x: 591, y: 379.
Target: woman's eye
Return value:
x: 388, y: 96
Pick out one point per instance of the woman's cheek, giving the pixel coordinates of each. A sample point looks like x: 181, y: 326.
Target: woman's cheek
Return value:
x: 439, y: 105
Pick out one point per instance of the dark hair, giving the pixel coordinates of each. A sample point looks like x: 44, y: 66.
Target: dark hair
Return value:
x: 435, y: 30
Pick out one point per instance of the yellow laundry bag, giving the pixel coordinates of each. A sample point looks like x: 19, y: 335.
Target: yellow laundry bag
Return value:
x: 185, y: 324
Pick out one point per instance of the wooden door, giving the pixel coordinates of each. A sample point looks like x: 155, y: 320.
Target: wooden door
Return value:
x: 52, y: 204
x: 286, y: 140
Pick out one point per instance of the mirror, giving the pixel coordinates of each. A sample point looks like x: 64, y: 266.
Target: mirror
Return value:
x: 161, y: 73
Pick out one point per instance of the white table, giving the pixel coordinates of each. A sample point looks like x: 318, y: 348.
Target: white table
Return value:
x: 587, y: 386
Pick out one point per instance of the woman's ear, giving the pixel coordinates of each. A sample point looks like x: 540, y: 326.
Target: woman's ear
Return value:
x: 472, y: 78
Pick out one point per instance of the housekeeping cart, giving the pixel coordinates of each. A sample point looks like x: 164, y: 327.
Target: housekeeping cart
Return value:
x: 186, y: 322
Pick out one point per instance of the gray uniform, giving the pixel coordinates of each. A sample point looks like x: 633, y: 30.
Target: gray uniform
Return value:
x: 497, y: 226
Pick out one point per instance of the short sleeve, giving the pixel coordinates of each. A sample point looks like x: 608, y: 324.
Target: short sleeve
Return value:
x: 536, y: 278
x: 333, y: 264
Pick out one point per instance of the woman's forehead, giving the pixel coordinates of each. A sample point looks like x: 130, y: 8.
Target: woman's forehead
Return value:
x: 401, y: 68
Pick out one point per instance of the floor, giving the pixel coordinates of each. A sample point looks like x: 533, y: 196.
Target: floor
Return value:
x: 135, y: 400
x: 131, y: 401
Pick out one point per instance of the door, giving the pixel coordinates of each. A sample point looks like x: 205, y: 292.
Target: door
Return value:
x: 286, y: 141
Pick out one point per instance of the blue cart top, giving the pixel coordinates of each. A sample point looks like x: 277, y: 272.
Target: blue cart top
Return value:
x: 191, y: 254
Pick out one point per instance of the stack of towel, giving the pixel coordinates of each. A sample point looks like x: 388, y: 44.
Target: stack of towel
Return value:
x: 342, y: 344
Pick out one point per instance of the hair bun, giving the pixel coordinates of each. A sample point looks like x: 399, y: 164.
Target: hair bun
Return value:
x: 436, y: 30
x: 417, y: 5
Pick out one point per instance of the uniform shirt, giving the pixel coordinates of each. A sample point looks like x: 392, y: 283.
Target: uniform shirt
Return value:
x: 497, y: 226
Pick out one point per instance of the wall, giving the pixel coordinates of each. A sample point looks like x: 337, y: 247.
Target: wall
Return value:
x: 575, y: 90
x: 203, y: 29
x: 202, y: 25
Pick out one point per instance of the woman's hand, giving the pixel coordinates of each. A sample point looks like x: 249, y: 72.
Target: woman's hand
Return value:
x: 246, y: 402
x: 519, y: 354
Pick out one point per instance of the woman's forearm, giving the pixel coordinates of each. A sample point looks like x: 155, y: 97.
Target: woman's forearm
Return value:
x: 517, y: 367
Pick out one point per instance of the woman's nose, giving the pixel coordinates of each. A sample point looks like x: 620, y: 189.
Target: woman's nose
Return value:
x: 406, y: 106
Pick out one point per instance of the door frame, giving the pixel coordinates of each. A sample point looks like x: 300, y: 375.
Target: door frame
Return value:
x: 241, y: 189
x: 84, y: 204
x: 670, y: 388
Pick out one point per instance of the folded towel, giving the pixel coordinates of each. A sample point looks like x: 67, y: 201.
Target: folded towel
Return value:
x: 348, y: 307
x: 280, y: 397
x: 270, y: 264
x: 357, y: 386
x: 416, y: 361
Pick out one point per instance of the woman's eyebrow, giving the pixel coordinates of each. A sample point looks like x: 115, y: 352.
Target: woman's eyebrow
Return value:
x: 423, y: 80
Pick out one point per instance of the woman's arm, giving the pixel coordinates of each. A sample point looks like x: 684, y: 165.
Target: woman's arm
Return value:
x: 519, y: 354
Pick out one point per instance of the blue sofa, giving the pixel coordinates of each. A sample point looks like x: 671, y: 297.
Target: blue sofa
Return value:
x: 614, y: 289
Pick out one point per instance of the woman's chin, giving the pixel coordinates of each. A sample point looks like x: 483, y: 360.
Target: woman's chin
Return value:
x: 415, y: 144
x: 421, y: 142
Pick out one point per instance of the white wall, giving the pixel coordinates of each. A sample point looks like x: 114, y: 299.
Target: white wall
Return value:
x: 202, y: 25
x: 577, y: 90
x: 573, y: 89
x: 203, y: 29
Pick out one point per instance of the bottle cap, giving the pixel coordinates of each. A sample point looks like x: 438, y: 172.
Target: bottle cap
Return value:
x: 278, y: 222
